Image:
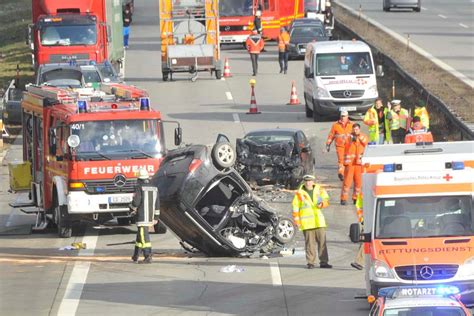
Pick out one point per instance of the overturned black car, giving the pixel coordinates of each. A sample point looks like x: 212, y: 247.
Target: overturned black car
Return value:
x: 211, y: 208
x: 275, y: 156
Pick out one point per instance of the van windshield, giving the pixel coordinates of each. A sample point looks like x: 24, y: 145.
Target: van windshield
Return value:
x: 339, y: 64
x: 418, y: 217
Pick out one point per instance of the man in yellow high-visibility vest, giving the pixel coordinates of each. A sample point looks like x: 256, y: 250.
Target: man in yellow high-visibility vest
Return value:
x: 309, y: 199
x: 359, y: 258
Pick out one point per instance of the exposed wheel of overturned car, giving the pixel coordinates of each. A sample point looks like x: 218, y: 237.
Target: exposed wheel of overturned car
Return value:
x: 223, y: 155
x: 286, y: 230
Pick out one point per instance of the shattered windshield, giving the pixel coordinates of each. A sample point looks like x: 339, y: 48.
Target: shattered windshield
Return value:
x: 68, y: 35
x: 424, y: 217
x: 125, y: 138
x: 235, y: 8
x: 336, y: 64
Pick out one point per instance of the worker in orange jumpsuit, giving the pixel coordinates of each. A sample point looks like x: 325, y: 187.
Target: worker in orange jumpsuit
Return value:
x: 418, y: 133
x: 254, y: 45
x: 340, y: 132
x: 354, y: 149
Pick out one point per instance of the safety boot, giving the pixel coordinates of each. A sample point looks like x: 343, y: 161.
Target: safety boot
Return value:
x: 136, y: 254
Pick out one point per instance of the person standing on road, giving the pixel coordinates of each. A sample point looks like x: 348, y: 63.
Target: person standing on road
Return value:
x: 358, y: 262
x: 254, y: 45
x: 376, y: 120
x: 398, y: 118
x: 257, y: 21
x: 127, y: 20
x: 422, y: 113
x: 354, y: 149
x: 145, y: 205
x: 283, y: 42
x: 340, y: 132
x: 309, y: 199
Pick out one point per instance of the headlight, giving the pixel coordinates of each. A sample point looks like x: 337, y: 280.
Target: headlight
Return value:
x: 244, y: 28
x: 372, y: 91
x: 322, y: 93
x: 381, y: 270
x: 467, y: 269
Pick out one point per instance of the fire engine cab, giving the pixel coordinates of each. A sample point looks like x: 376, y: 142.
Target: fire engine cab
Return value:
x: 85, y: 147
x: 418, y: 216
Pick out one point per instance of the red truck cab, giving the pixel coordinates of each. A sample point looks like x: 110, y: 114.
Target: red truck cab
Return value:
x: 65, y: 30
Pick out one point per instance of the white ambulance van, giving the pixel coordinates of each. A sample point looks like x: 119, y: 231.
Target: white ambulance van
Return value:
x: 338, y: 76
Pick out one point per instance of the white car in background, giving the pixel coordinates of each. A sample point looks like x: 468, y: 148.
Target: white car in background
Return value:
x: 402, y: 4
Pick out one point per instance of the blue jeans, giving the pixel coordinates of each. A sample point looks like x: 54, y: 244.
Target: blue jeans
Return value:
x: 126, y: 34
x: 381, y: 138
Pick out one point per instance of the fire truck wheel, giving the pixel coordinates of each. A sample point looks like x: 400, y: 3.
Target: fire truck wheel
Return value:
x: 64, y: 227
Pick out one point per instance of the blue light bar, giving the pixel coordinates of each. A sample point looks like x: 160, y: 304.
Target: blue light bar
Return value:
x: 389, y: 168
x: 458, y: 165
x: 81, y: 106
x: 447, y: 290
x: 100, y: 189
x: 418, y: 291
x: 145, y: 104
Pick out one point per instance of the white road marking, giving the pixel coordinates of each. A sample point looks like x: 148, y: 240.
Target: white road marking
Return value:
x: 228, y: 95
x: 424, y: 9
x: 442, y: 16
x: 463, y: 25
x: 10, y: 218
x: 236, y: 118
x: 78, y: 278
x: 275, y: 271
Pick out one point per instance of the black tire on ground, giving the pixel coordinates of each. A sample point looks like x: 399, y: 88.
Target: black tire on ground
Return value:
x: 160, y: 228
x: 123, y: 221
x: 309, y: 112
x: 165, y: 75
x: 64, y: 227
x: 417, y: 9
x: 223, y: 155
x: 285, y: 230
x: 316, y: 116
x: 218, y: 74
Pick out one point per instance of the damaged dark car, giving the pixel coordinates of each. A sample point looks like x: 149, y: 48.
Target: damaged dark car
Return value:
x: 274, y: 156
x: 208, y: 205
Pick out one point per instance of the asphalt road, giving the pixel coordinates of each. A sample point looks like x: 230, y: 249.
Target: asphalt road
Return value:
x: 445, y: 29
x: 39, y: 279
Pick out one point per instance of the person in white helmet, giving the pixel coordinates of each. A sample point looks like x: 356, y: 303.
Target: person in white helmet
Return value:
x: 145, y: 205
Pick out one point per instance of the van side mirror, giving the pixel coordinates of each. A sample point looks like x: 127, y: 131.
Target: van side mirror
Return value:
x: 379, y: 71
x: 307, y: 72
x: 354, y: 232
x: 178, y: 136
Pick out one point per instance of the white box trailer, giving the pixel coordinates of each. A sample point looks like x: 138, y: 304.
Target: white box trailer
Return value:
x: 418, y: 216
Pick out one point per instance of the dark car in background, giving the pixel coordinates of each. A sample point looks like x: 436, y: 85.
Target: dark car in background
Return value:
x: 302, y: 32
x: 208, y: 205
x: 275, y: 156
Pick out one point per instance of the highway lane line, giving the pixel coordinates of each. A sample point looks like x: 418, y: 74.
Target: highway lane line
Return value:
x: 442, y: 16
x: 78, y: 278
x: 275, y: 271
x: 424, y: 9
x: 416, y: 48
x: 229, y: 95
x: 236, y: 118
x: 463, y: 25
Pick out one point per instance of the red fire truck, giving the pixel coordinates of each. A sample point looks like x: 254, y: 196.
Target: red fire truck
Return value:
x: 76, y: 29
x: 85, y: 148
x: 237, y: 16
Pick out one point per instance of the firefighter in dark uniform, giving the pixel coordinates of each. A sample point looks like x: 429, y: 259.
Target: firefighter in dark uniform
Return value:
x: 145, y: 205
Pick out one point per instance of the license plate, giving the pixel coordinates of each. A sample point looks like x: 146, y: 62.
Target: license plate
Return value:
x: 303, y: 50
x: 120, y: 199
x: 348, y: 108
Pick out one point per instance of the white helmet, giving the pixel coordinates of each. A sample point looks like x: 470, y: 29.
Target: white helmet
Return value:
x: 143, y: 174
x: 328, y: 3
x: 258, y: 13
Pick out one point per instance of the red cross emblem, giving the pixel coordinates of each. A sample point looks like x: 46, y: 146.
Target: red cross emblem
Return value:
x: 447, y: 177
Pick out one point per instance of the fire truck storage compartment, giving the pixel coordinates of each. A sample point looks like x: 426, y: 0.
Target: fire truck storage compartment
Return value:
x: 190, y: 57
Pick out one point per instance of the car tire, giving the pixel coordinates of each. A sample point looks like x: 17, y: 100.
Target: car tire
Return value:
x: 285, y: 230
x: 160, y: 228
x: 223, y: 155
x: 64, y: 228
x: 316, y: 116
x: 309, y: 112
x: 417, y: 9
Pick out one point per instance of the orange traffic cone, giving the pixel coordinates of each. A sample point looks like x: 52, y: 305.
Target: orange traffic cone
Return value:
x: 253, y: 103
x: 294, y: 96
x: 227, y: 69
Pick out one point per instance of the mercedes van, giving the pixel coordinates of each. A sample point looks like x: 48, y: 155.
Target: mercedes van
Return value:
x: 338, y: 76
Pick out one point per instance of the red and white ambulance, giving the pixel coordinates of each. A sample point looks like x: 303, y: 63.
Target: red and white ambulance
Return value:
x: 85, y: 148
x: 419, y: 216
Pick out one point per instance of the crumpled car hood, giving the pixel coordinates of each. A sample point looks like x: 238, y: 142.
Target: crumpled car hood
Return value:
x: 250, y: 153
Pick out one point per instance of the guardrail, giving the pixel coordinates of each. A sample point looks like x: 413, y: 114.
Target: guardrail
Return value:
x: 466, y: 129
